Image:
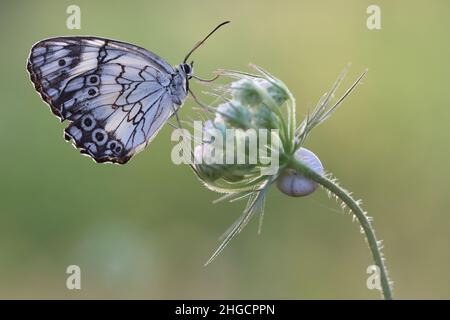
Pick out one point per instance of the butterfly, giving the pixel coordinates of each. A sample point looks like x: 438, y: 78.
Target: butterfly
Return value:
x: 116, y: 96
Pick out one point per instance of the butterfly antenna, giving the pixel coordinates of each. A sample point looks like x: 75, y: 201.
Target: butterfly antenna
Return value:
x: 198, y: 44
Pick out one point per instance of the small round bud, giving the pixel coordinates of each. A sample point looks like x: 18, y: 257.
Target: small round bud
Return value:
x: 247, y: 92
x: 234, y: 115
x: 206, y: 170
x: 276, y: 92
x: 296, y: 185
x: 264, y: 118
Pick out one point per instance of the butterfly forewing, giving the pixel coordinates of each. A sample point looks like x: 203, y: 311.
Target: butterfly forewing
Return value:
x: 116, y: 95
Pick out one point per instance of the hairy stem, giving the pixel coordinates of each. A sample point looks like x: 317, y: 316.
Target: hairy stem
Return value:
x: 363, y: 219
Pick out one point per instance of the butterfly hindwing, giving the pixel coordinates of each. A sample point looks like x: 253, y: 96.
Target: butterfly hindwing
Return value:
x: 117, y: 96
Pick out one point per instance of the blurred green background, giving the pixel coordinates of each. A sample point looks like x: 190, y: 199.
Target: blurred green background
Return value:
x: 144, y: 230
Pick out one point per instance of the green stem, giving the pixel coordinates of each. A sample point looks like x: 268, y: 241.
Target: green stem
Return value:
x: 369, y: 231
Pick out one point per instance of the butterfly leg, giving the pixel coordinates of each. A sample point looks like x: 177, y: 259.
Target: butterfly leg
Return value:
x: 201, y: 104
x: 175, y: 113
x: 206, y: 80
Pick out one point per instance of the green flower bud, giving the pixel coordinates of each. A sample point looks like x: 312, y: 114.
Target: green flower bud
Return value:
x: 263, y: 117
x: 234, y: 115
x: 206, y: 172
x: 247, y: 92
x: 277, y: 93
x: 250, y: 92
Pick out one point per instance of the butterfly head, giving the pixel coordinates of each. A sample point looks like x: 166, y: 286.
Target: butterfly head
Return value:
x: 188, y: 69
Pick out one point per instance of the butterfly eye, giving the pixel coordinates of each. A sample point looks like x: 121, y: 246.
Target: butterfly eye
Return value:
x: 88, y: 123
x: 61, y: 62
x: 186, y: 68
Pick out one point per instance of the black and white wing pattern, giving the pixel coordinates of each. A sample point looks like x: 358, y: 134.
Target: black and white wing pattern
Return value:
x: 117, y: 96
